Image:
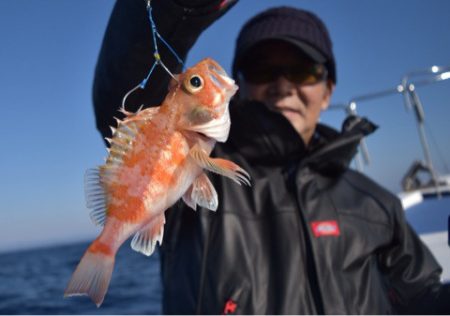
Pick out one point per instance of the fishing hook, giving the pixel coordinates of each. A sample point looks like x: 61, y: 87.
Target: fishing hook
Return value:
x: 156, y: 55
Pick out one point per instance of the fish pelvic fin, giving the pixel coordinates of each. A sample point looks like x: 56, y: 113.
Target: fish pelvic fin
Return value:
x: 220, y: 166
x: 202, y: 193
x: 145, y: 240
x: 93, y: 273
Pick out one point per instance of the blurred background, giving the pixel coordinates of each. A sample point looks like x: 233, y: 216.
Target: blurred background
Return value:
x: 47, y: 60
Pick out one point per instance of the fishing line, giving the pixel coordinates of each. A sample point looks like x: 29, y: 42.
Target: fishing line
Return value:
x: 156, y: 55
x: 437, y: 147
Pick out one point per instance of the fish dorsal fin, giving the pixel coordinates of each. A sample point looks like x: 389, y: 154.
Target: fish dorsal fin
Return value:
x: 141, y: 114
x: 201, y: 193
x: 144, y: 241
x: 125, y: 133
x: 121, y: 142
x: 95, y: 196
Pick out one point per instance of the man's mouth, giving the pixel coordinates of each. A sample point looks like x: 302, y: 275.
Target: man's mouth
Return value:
x: 283, y: 109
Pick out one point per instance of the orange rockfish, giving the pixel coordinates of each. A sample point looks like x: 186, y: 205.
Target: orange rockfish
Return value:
x: 157, y: 155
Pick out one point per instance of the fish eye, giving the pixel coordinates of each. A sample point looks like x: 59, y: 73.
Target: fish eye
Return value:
x: 194, y: 84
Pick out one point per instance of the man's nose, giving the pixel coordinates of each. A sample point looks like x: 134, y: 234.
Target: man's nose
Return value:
x: 282, y: 84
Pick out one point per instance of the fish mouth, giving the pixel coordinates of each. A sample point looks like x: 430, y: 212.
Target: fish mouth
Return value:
x: 232, y: 86
x: 220, y: 79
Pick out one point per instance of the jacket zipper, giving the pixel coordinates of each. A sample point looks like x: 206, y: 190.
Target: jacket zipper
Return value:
x: 313, y: 279
x: 203, y: 265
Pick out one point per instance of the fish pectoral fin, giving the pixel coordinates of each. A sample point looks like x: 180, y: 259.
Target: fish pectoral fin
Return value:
x: 144, y: 241
x: 220, y: 166
x: 201, y: 193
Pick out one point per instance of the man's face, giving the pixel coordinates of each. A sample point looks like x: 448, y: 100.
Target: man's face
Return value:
x: 289, y: 84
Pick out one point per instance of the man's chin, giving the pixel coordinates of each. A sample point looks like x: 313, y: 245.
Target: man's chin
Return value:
x: 292, y: 116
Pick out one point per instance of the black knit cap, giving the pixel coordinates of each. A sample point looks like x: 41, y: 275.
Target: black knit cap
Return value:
x: 299, y: 27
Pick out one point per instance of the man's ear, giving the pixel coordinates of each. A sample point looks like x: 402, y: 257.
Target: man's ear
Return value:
x: 329, y: 89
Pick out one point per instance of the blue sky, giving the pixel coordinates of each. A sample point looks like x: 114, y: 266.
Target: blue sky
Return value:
x: 47, y: 59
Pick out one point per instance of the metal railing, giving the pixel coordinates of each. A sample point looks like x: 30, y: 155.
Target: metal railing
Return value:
x: 407, y: 88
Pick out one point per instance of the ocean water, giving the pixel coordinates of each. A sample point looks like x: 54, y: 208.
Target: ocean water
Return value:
x: 33, y: 282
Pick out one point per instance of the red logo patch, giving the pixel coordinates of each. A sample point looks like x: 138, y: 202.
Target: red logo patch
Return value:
x: 230, y: 307
x: 325, y: 228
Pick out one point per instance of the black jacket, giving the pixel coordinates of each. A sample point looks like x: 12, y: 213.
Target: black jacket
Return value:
x: 310, y: 235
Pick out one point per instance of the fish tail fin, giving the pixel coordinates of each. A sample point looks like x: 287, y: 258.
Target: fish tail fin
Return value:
x: 93, y: 273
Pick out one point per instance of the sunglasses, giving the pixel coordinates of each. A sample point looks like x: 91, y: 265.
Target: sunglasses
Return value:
x: 306, y: 74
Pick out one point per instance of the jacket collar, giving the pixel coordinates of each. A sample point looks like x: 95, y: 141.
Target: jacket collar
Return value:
x: 266, y: 138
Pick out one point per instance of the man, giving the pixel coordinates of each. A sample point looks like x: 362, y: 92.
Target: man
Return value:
x: 311, y: 235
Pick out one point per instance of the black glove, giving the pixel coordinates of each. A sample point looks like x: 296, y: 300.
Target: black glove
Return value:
x: 205, y: 5
x: 197, y: 3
